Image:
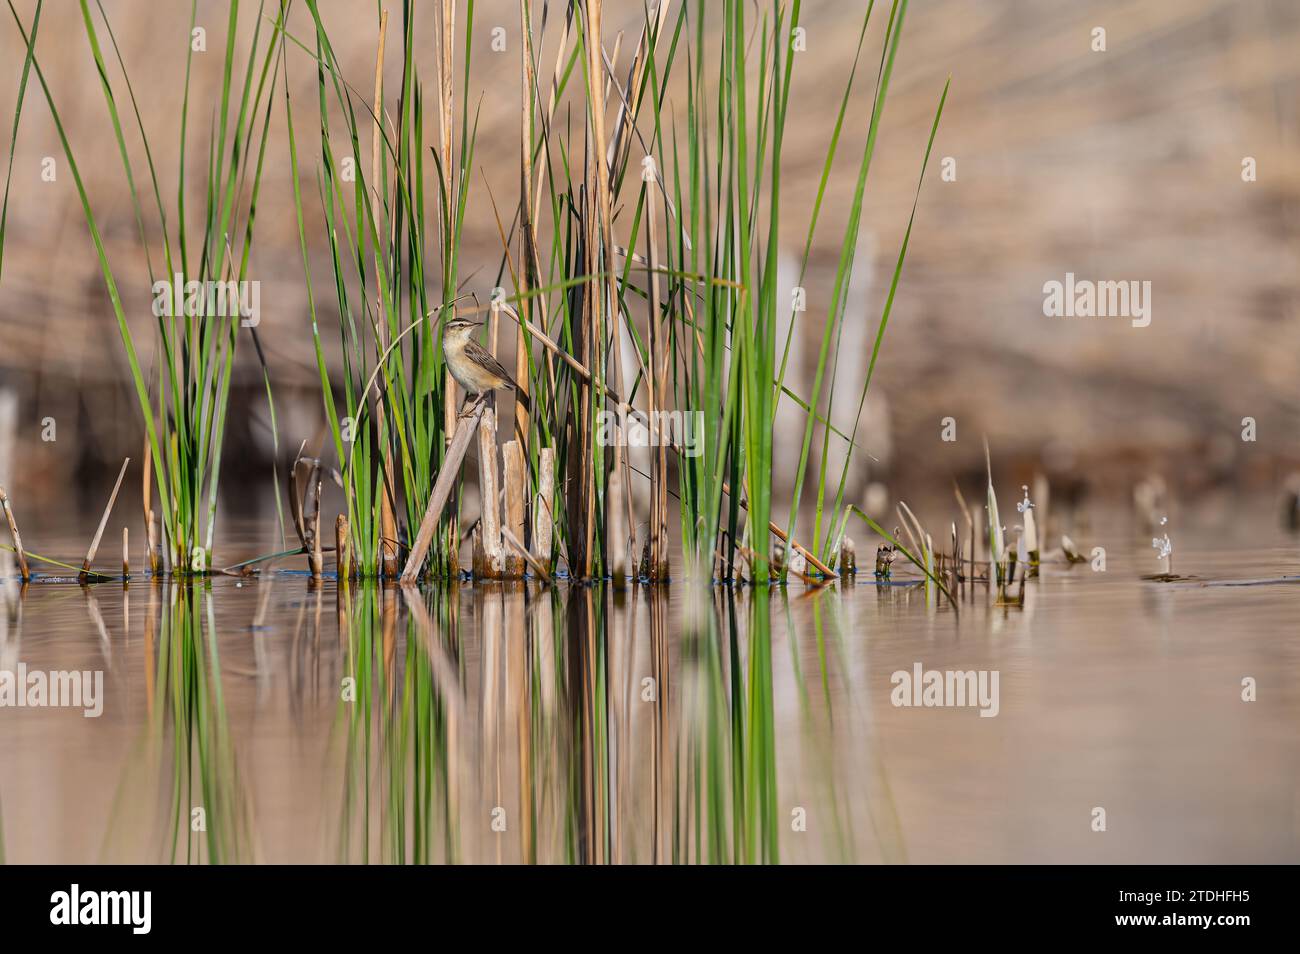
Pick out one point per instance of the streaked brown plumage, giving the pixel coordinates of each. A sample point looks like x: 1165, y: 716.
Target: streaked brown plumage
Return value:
x: 470, y: 363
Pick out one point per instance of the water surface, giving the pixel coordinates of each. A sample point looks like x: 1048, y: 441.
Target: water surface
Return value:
x: 515, y: 723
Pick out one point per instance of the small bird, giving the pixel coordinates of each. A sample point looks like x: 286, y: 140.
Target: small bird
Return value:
x: 470, y: 363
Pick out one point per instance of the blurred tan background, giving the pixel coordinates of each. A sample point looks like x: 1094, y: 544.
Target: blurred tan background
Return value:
x: 1116, y: 165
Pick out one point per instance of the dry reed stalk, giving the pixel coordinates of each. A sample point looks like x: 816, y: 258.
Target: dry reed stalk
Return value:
x: 296, y: 497
x: 579, y: 477
x: 23, y: 569
x: 151, y: 542
x: 146, y: 498
x: 604, y: 293
x: 513, y: 471
x: 489, y: 527
x: 527, y: 240
x: 610, y: 59
x: 581, y: 369
x: 617, y: 546
x: 631, y: 97
x: 657, y: 391
x: 387, y: 518
x: 103, y: 522
x: 543, y: 518
x: 342, y: 548
x: 477, y: 558
x: 557, y: 71
x: 441, y: 491
x: 622, y: 494
x: 315, y: 558
x: 126, y: 553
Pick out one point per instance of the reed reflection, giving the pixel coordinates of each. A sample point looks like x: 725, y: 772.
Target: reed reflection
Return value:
x: 512, y: 723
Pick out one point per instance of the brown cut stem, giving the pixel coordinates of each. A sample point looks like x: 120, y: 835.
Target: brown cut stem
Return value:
x: 465, y: 427
x: 315, y: 558
x: 343, y: 555
x: 151, y: 541
x: 513, y: 481
x: 387, y: 518
x: 532, y: 561
x: 103, y: 522
x: 146, y: 479
x: 848, y: 558
x: 489, y: 527
x: 617, y: 546
x: 23, y: 570
x: 543, y: 518
x: 657, y: 392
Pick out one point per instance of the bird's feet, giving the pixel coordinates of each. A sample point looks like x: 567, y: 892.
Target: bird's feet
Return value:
x: 472, y: 405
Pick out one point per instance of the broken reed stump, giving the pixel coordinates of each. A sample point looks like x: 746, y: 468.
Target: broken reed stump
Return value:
x: 488, y: 554
x: 342, y: 549
x: 151, y: 542
x: 543, y: 518
x: 315, y: 558
x: 23, y: 569
x: 514, y: 476
x: 85, y: 573
x: 498, y: 550
x: 617, y: 545
x: 465, y: 426
x: 300, y: 499
x: 126, y: 553
x: 848, y: 558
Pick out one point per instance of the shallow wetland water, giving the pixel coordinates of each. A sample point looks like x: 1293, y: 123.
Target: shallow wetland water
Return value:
x: 512, y: 723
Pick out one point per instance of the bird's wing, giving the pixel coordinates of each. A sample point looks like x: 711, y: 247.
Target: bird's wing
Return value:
x: 482, y: 356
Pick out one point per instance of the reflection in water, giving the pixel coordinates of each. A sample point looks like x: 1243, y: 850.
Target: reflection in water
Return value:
x: 274, y: 720
x: 545, y: 726
x: 185, y: 768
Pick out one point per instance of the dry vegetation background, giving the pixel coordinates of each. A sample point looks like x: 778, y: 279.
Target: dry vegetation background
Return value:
x: 1122, y: 165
